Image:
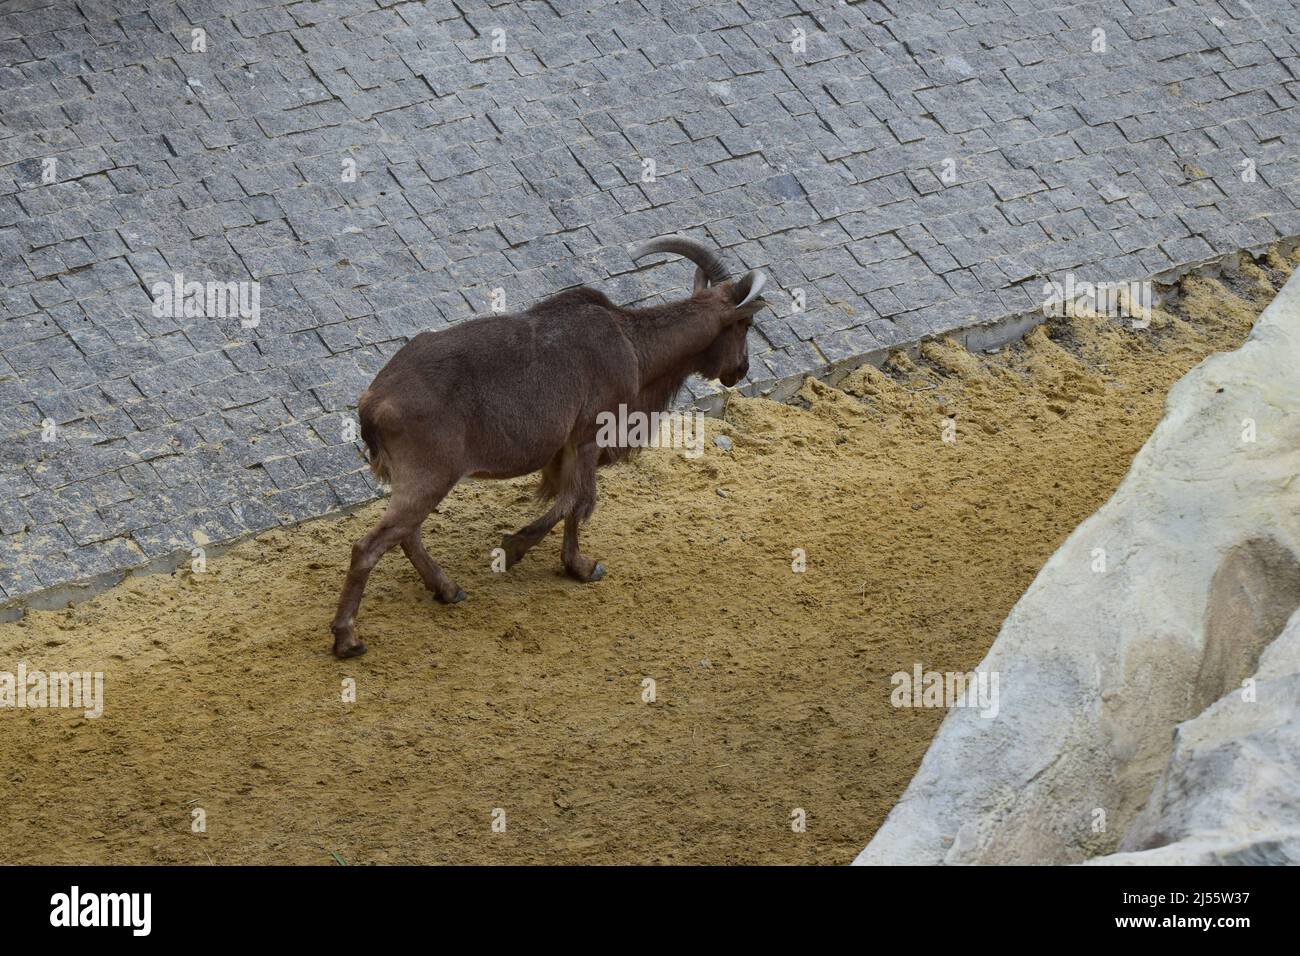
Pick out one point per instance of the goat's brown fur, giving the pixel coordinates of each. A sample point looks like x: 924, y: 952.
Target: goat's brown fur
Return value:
x: 507, y: 395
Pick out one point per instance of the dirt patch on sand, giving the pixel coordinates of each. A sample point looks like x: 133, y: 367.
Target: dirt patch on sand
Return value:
x: 772, y: 686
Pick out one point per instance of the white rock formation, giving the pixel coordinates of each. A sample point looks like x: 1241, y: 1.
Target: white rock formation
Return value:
x: 1231, y: 791
x: 1201, y: 549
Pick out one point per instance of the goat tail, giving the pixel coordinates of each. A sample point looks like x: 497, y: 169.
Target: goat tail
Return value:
x: 370, y: 435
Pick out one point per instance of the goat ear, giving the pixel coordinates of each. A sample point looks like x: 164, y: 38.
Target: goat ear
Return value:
x: 701, y: 279
x: 749, y: 288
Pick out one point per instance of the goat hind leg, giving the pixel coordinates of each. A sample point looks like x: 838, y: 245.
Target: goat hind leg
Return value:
x: 403, y: 517
x: 435, y: 579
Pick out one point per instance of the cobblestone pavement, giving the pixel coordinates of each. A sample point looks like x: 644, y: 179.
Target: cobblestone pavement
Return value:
x: 379, y: 168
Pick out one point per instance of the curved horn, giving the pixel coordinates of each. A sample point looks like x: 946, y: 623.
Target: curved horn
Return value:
x: 752, y: 287
x: 704, y: 257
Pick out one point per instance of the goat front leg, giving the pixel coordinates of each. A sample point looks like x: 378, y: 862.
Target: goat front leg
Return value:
x: 555, y: 477
x: 518, y: 544
x: 581, y: 498
x: 575, y: 565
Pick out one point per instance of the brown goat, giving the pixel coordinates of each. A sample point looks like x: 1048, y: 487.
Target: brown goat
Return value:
x: 507, y: 395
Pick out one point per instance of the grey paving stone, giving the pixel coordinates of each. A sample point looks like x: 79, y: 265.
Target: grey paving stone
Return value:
x: 915, y: 167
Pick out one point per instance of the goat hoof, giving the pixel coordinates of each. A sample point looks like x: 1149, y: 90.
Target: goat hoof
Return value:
x: 595, y: 574
x: 456, y: 598
x: 510, y: 547
x: 353, y: 649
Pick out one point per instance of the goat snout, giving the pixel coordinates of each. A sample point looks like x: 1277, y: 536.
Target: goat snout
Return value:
x: 729, y: 379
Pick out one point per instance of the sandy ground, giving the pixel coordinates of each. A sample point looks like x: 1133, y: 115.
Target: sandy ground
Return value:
x: 772, y: 686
